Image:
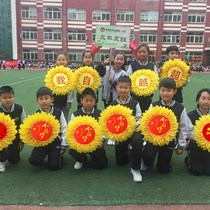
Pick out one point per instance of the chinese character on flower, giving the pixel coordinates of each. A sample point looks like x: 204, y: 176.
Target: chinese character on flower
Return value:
x: 143, y: 82
x: 86, y: 80
x: 60, y: 80
x: 175, y: 75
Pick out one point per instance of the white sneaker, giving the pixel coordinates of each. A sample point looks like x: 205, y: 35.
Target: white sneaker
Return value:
x: 78, y: 165
x: 136, y: 175
x: 2, y: 167
x: 110, y: 142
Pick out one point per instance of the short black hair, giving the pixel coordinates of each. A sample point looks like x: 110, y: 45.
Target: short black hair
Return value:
x: 125, y: 79
x: 6, y: 89
x: 88, y: 91
x: 44, y: 91
x: 200, y: 92
x: 168, y: 83
x: 143, y: 45
x: 172, y: 48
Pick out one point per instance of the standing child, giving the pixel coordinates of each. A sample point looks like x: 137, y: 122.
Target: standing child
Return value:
x: 198, y: 160
x: 172, y: 52
x: 141, y: 63
x: 87, y: 60
x: 56, y: 149
x: 16, y: 112
x: 88, y: 100
x: 167, y: 88
x: 135, y: 142
x: 63, y: 101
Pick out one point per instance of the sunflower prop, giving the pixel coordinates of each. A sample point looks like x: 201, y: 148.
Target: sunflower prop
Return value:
x: 159, y: 125
x: 84, y: 134
x: 176, y: 69
x: 202, y: 132
x: 144, y: 82
x: 39, y: 129
x: 118, y: 123
x: 7, y: 130
x: 87, y: 77
x: 60, y: 80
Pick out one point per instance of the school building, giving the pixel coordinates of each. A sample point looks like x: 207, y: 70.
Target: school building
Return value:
x: 44, y: 27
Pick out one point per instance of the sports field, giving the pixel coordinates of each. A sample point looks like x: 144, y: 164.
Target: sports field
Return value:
x: 23, y: 184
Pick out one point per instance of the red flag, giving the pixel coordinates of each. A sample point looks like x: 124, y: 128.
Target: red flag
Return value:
x: 10, y: 63
x: 133, y: 46
x: 94, y: 48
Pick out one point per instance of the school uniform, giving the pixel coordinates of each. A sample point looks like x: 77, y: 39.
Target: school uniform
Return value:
x: 144, y: 101
x: 197, y: 160
x: 98, y: 156
x: 132, y: 146
x: 53, y: 149
x: 165, y: 152
x: 12, y: 152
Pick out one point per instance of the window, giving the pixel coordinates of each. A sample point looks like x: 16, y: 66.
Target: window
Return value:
x: 52, y: 13
x: 103, y: 15
x: 149, y: 16
x: 170, y: 16
x: 148, y: 37
x: 101, y: 56
x: 28, y: 12
x: 93, y: 36
x: 171, y: 37
x: 198, y: 0
x: 50, y: 55
x: 75, y: 56
x: 76, y: 14
x: 30, y: 54
x: 197, y: 17
x: 52, y: 34
x: 76, y: 35
x: 126, y: 16
x: 29, y: 33
x: 196, y: 37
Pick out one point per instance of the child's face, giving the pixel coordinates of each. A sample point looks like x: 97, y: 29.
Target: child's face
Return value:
x: 167, y: 94
x: 119, y: 60
x: 61, y: 60
x: 7, y: 99
x: 88, y: 59
x: 173, y: 55
x: 45, y: 102
x: 142, y: 54
x: 123, y: 89
x: 204, y: 101
x: 88, y: 102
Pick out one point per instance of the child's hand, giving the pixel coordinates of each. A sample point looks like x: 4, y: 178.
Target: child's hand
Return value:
x: 62, y: 151
x: 179, y: 151
x: 68, y: 105
x: 21, y: 145
x: 110, y: 79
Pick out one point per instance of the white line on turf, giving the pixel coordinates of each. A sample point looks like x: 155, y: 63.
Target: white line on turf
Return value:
x: 26, y: 80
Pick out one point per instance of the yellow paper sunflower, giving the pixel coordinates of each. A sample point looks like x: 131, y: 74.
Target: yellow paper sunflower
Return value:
x: 144, y: 82
x: 87, y: 77
x: 7, y: 130
x: 60, y: 80
x: 84, y: 134
x: 118, y: 123
x: 202, y: 132
x: 159, y: 125
x: 176, y: 69
x: 39, y: 129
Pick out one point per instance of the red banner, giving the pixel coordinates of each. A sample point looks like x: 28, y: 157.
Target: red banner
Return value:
x: 10, y: 63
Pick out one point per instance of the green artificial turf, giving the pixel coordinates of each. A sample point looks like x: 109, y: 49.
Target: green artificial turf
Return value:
x: 24, y: 184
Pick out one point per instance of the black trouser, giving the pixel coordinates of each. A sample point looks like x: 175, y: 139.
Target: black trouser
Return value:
x: 164, y: 156
x: 52, y: 150
x: 98, y: 156
x: 199, y: 160
x: 124, y: 154
x: 144, y: 101
x: 11, y: 153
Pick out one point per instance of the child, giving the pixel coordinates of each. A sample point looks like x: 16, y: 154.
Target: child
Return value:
x: 135, y: 142
x: 111, y: 76
x: 88, y: 100
x: 56, y: 149
x: 16, y: 112
x: 87, y: 60
x: 141, y: 63
x: 63, y: 101
x: 198, y: 160
x: 167, y: 88
x: 172, y: 52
